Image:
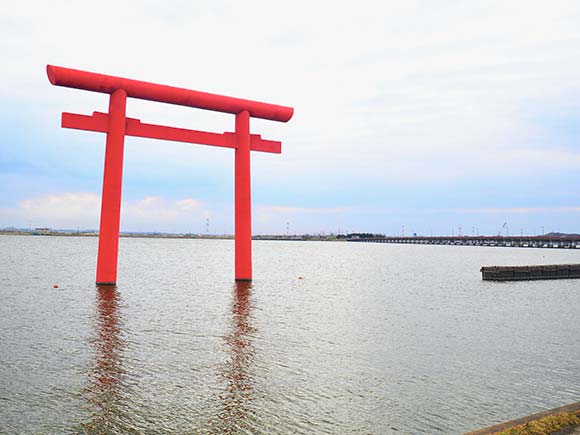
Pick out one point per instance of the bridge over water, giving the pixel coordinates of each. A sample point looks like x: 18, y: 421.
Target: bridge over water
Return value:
x: 565, y: 242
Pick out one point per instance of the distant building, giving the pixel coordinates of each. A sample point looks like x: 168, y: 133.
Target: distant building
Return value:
x: 42, y: 231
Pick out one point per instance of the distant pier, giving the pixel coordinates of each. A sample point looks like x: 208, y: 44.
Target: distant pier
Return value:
x: 561, y: 242
x: 527, y: 273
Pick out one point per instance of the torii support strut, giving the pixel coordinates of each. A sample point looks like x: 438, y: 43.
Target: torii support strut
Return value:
x: 117, y: 126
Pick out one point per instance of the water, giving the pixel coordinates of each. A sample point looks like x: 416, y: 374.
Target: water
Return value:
x: 374, y: 339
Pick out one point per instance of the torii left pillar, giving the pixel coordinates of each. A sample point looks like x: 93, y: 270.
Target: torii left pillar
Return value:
x: 108, y: 254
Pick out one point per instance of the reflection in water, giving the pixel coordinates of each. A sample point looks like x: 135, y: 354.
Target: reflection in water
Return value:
x: 237, y: 413
x: 104, y: 393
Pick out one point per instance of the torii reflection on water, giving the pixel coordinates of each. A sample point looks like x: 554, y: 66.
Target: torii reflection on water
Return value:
x: 106, y: 393
x: 237, y: 411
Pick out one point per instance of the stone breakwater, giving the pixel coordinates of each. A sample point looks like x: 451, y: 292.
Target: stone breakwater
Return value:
x: 526, y: 273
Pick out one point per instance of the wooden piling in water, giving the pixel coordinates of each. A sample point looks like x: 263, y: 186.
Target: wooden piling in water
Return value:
x: 526, y: 273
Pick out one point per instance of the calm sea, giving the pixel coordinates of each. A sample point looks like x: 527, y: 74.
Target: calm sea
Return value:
x: 330, y: 338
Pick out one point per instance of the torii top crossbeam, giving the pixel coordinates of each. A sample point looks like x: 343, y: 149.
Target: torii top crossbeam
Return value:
x: 117, y: 126
x: 73, y: 78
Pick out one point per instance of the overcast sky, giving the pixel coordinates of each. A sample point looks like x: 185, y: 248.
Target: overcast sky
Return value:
x: 431, y: 115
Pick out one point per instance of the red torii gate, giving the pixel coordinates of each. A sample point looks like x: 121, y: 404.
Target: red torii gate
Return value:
x: 117, y: 126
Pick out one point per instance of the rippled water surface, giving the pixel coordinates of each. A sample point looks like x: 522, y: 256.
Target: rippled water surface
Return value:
x: 330, y: 338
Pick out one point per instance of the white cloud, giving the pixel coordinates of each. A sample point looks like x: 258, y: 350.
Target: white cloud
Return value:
x: 280, y: 219
x: 67, y: 210
x: 308, y: 210
x: 74, y: 210
x: 187, y: 204
x: 153, y: 213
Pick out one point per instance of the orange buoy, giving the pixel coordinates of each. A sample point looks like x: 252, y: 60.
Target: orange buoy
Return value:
x: 55, y: 286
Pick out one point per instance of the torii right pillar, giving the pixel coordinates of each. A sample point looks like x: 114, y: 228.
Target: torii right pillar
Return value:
x: 243, y: 199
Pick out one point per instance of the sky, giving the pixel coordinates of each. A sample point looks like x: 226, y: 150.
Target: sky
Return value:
x: 410, y: 116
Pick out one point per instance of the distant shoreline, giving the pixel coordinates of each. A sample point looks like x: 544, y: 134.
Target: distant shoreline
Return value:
x: 173, y: 236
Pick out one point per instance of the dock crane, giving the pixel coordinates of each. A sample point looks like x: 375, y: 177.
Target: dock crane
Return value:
x: 507, y: 230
